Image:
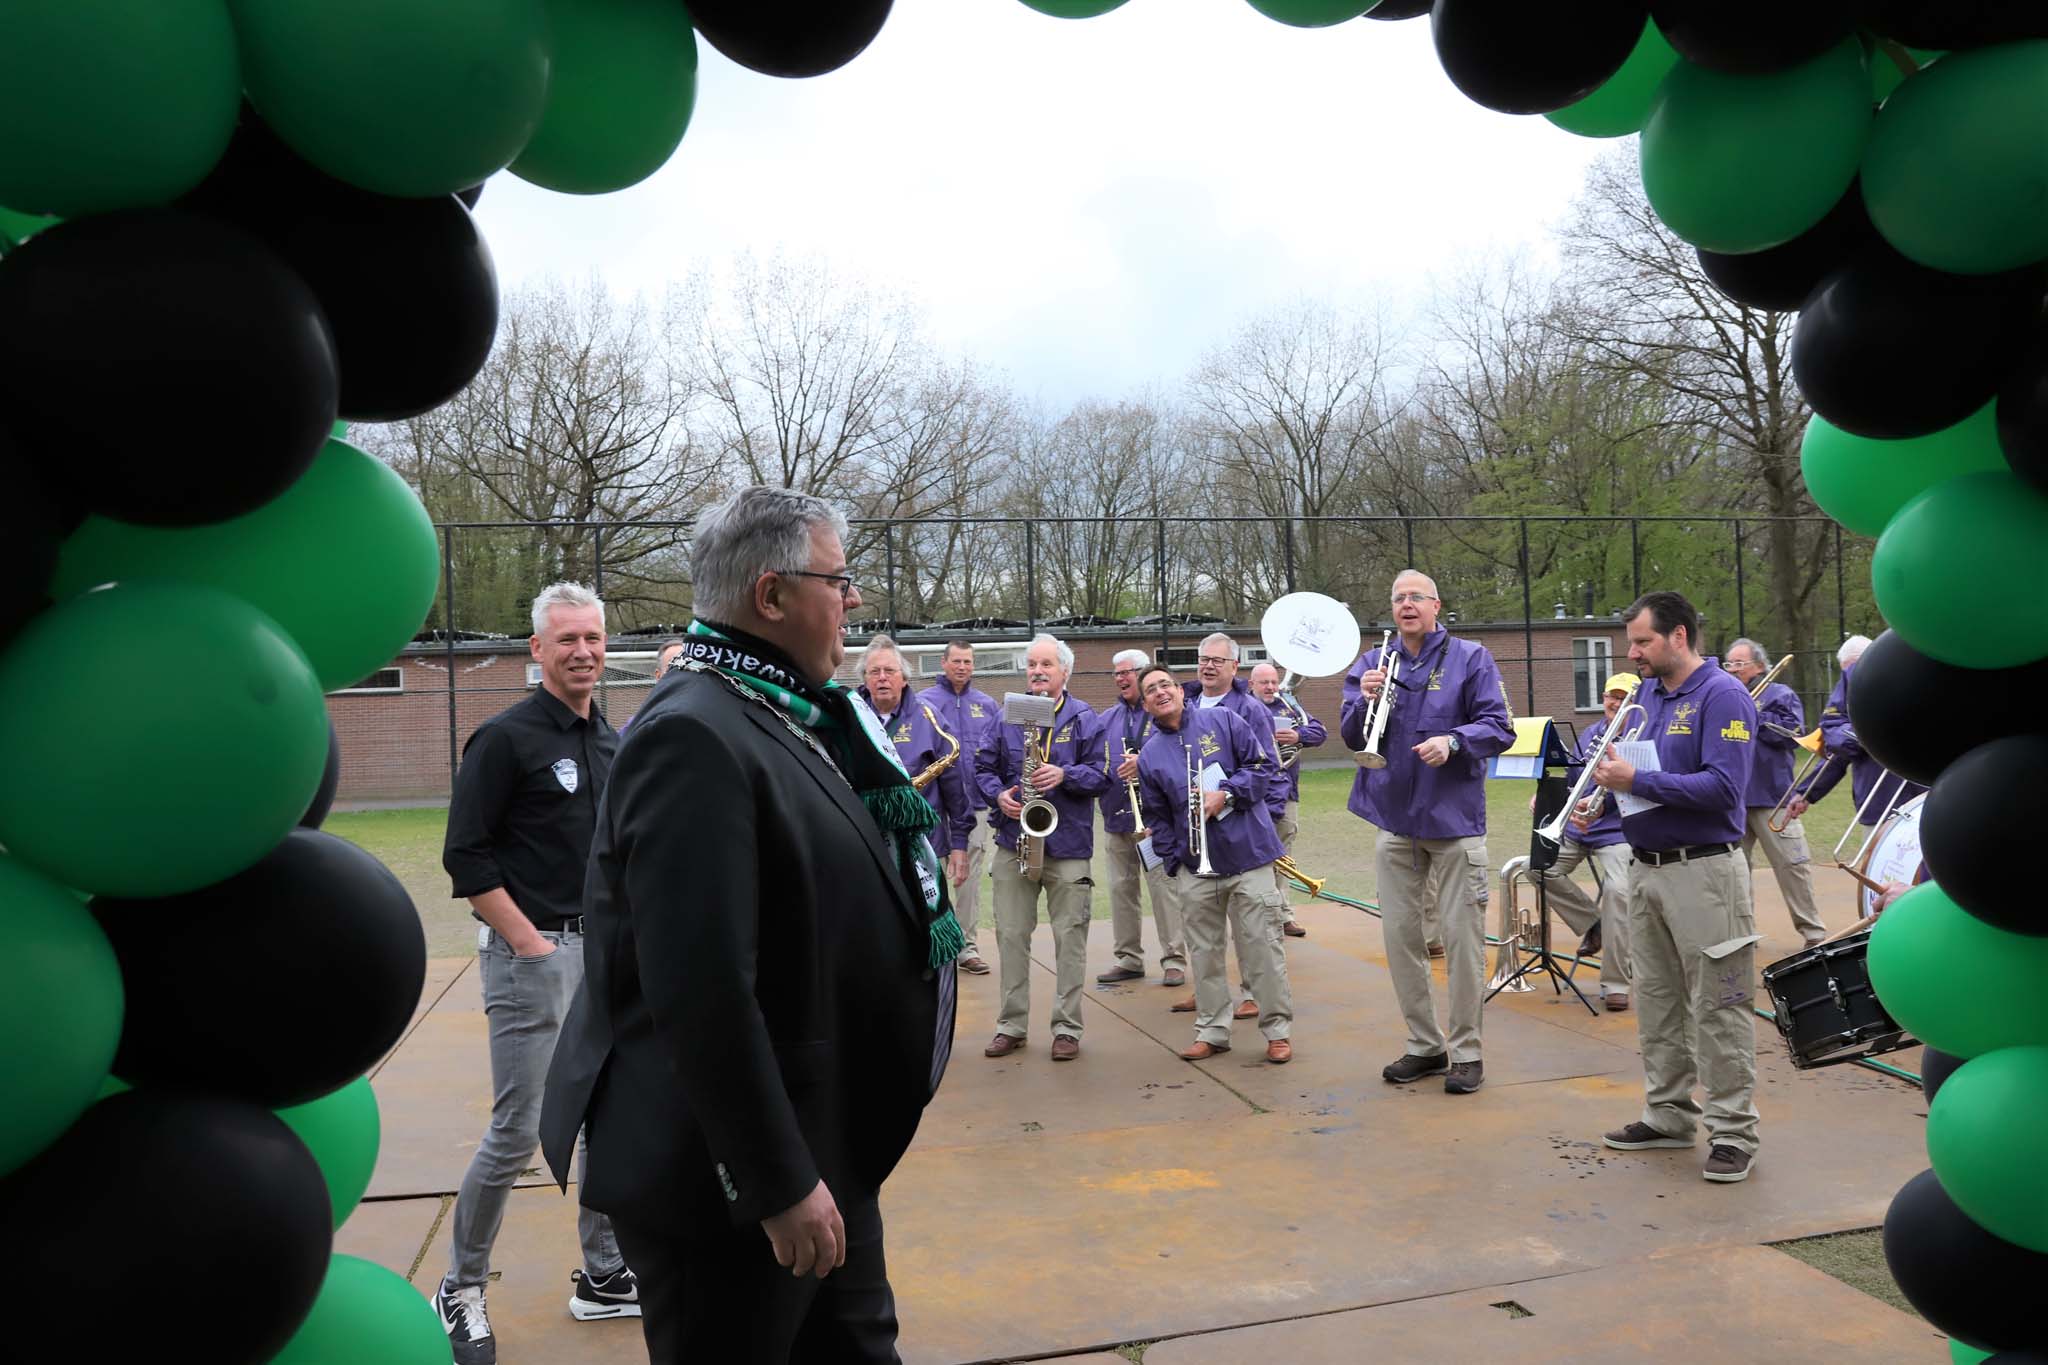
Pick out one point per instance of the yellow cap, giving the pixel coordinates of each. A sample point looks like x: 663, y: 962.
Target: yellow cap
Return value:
x: 1624, y: 683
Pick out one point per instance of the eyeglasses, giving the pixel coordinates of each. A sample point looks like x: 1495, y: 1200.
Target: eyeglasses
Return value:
x: 844, y: 580
x: 1220, y: 660
x: 1418, y: 598
x: 1124, y: 673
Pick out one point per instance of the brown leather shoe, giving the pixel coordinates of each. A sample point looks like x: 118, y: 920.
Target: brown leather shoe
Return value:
x: 1247, y: 1008
x: 1174, y: 977
x: 1616, y: 1001
x: 1293, y: 930
x: 974, y: 965
x: 1065, y: 1049
x: 1436, y: 950
x: 1002, y: 1045
x: 1202, y: 1052
x: 1279, y: 1051
x: 1186, y: 1006
x: 1120, y: 973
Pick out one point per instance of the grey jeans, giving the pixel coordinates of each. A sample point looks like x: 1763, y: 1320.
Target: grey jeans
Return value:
x: 525, y: 999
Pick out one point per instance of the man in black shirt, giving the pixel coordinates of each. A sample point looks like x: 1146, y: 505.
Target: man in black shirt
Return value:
x: 519, y: 830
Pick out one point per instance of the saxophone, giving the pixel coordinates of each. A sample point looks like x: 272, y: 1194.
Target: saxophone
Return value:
x: 1038, y: 819
x: 939, y: 765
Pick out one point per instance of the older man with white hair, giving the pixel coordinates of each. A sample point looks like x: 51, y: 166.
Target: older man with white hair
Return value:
x: 1838, y: 737
x: 1780, y: 722
x: 1126, y: 844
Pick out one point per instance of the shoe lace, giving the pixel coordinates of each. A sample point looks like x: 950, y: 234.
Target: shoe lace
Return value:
x: 469, y: 1301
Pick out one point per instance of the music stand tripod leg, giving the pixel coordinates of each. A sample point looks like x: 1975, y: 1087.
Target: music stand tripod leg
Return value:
x: 1545, y: 956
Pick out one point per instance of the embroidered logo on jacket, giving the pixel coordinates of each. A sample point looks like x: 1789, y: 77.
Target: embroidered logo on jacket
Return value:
x: 1737, y: 730
x: 1209, y: 746
x: 1681, y: 718
x: 902, y: 735
x: 565, y: 773
x: 974, y: 710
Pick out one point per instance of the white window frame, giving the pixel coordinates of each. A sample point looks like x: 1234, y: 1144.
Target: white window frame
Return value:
x: 1598, y: 654
x: 397, y: 670
x: 1001, y: 658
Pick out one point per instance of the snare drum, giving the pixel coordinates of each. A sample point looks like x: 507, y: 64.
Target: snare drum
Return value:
x: 1895, y: 855
x: 1827, y: 1011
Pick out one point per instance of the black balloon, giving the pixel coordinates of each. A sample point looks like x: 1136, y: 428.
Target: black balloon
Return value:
x: 1531, y: 59
x: 1936, y: 1066
x: 1976, y: 826
x: 162, y: 368
x: 470, y: 195
x: 1917, y: 715
x: 323, y: 799
x: 1752, y: 36
x: 1980, y: 1289
x: 32, y: 527
x: 1889, y: 349
x: 278, y: 985
x: 2023, y: 414
x: 1399, y: 9
x: 1782, y: 278
x: 1948, y: 24
x: 407, y: 285
x: 790, y: 37
x: 204, y: 1224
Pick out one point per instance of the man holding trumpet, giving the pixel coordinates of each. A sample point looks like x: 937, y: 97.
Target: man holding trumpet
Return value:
x: 1125, y: 728
x: 1446, y: 714
x: 1593, y: 833
x: 1202, y: 779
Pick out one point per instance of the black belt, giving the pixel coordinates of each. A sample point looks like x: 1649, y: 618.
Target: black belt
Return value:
x: 567, y: 926
x: 1679, y: 855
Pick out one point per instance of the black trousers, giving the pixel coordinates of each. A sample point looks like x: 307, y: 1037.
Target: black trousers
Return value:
x: 717, y: 1297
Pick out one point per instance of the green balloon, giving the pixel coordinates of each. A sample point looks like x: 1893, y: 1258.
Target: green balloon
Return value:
x: 342, y: 1132
x: 61, y: 1011
x: 1073, y: 9
x: 1744, y: 163
x: 1863, y: 483
x: 1620, y: 105
x: 1957, y: 176
x: 1959, y: 572
x: 1955, y: 982
x: 399, y: 97
x: 1312, y: 13
x: 1962, y: 1353
x: 113, y: 1085
x: 16, y: 228
x: 112, y: 104
x: 623, y: 85
x: 1984, y: 1140
x: 367, y: 1313
x: 187, y: 738
x: 345, y: 560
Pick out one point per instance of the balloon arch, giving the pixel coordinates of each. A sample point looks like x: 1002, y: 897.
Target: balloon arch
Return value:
x: 255, y: 210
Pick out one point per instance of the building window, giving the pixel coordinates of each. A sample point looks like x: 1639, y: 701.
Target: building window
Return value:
x: 929, y: 661
x: 383, y: 681
x: 1190, y: 656
x: 1592, y: 665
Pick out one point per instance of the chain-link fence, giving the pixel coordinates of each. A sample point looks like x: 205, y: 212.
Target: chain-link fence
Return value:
x: 1544, y: 593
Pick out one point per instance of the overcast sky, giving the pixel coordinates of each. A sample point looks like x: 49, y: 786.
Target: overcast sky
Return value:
x: 1082, y: 206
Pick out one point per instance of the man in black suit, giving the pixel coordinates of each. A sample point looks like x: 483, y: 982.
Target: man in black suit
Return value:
x: 768, y: 997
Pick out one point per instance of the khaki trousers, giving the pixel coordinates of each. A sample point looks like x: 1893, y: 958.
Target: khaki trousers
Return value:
x: 967, y: 895
x: 1792, y: 864
x: 1580, y: 912
x: 1693, y: 935
x: 1207, y: 903
x: 1127, y: 873
x: 1457, y: 867
x: 1067, y: 888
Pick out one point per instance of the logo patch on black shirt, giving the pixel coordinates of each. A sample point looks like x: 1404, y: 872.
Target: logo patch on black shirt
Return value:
x: 565, y: 773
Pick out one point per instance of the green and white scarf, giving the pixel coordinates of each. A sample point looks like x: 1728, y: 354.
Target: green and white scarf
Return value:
x: 847, y: 735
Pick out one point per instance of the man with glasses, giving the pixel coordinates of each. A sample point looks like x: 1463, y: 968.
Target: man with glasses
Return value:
x: 1291, y: 725
x: 1449, y: 715
x: 1780, y: 722
x: 918, y: 745
x: 1125, y: 728
x: 970, y: 715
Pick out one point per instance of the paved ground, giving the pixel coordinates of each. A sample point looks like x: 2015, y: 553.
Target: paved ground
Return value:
x: 1237, y: 1210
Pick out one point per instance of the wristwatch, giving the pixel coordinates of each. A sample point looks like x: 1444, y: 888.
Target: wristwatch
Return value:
x: 1455, y: 746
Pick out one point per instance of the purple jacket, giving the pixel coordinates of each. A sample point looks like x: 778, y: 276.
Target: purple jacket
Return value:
x: 1839, y: 736
x: 1606, y: 827
x: 1312, y: 736
x: 971, y: 716
x: 1120, y: 722
x: 1451, y: 687
x: 1705, y: 734
x: 1772, y: 771
x: 919, y: 746
x: 1077, y: 750
x: 1259, y: 720
x: 1242, y: 838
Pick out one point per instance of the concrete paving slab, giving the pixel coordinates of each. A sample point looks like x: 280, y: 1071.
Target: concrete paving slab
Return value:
x: 442, y: 975
x: 1730, y: 1303
x: 391, y: 1232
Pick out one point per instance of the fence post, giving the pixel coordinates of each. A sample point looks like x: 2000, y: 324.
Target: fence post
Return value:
x: 1031, y: 576
x: 1409, y: 527
x: 1287, y: 538
x: 1841, y: 595
x: 1741, y: 614
x: 448, y: 631
x: 1635, y: 560
x: 889, y: 560
x: 1159, y: 557
x: 1528, y: 630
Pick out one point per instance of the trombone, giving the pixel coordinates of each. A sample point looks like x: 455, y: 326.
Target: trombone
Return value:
x: 1553, y: 833
x: 1285, y: 866
x: 1376, y: 708
x: 1767, y: 679
x: 1816, y: 752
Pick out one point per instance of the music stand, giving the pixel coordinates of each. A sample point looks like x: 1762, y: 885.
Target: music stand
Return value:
x: 1551, y: 792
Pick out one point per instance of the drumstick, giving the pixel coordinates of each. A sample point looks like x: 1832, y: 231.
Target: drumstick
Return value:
x: 1875, y: 888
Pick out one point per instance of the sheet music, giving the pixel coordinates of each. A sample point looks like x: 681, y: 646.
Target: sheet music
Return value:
x: 1211, y: 780
x: 1146, y: 856
x: 1640, y: 754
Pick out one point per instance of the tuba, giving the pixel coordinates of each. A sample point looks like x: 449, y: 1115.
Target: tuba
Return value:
x: 1312, y: 636
x: 1290, y: 753
x: 1032, y: 714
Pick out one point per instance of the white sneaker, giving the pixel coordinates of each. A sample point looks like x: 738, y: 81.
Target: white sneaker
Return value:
x: 467, y: 1324
x: 616, y: 1295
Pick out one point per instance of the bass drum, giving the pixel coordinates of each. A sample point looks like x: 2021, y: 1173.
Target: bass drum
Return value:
x: 1895, y: 855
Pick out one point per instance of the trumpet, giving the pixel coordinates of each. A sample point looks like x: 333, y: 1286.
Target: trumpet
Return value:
x: 1816, y: 753
x: 1767, y: 679
x: 1198, y: 821
x: 1137, y: 814
x: 1553, y: 833
x: 1378, y: 707
x: 938, y: 765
